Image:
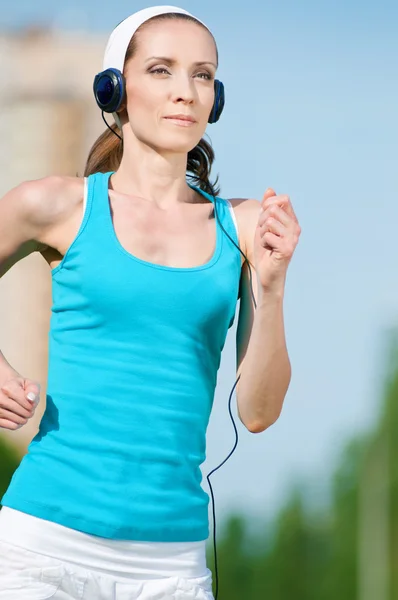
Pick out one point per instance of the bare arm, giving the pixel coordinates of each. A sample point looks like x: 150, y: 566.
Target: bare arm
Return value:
x: 26, y: 214
x: 262, y: 357
x: 18, y: 233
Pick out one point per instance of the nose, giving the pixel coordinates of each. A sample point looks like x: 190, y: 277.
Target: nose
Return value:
x: 184, y: 89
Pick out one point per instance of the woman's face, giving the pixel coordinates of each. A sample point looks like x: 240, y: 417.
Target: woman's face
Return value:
x: 170, y: 84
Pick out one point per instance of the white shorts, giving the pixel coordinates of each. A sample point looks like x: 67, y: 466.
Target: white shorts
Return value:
x: 40, y: 560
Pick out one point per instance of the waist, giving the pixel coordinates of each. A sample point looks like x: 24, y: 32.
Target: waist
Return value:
x: 121, y: 558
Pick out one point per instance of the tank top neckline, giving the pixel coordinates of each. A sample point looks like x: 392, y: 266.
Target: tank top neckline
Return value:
x: 213, y: 259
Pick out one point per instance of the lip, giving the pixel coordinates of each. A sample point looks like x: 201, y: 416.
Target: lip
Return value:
x: 181, y: 117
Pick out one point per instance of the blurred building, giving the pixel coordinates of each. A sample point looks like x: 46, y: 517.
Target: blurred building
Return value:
x: 48, y: 122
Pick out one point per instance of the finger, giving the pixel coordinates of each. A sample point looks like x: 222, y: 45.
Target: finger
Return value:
x: 291, y: 210
x: 283, y: 201
x: 32, y: 391
x: 269, y: 192
x: 14, y: 390
x: 277, y: 213
x: 11, y: 405
x: 270, y: 240
x: 5, y: 424
x: 10, y: 416
x: 268, y: 200
x: 274, y: 226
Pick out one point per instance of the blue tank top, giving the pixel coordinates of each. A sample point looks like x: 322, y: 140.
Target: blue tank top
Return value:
x: 134, y: 350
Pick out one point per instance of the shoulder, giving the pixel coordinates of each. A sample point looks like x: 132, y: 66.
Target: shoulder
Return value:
x: 246, y: 211
x: 29, y: 211
x: 45, y: 201
x: 245, y: 207
x: 40, y: 207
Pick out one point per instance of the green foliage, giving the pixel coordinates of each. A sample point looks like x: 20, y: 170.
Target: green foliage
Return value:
x: 9, y: 460
x: 336, y: 553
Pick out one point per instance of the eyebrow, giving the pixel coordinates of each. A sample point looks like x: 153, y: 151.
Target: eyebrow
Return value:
x: 172, y: 61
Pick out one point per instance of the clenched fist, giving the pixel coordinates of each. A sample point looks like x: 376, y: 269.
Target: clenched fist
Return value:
x: 18, y: 400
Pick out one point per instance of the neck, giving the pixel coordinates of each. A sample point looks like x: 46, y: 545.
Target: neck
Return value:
x: 160, y: 178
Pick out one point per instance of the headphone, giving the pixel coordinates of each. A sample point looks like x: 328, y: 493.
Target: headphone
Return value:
x: 110, y: 85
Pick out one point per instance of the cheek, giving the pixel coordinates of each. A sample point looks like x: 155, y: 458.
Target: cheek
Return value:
x: 206, y: 99
x: 141, y: 100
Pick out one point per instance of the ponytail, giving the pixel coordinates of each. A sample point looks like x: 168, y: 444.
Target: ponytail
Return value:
x: 105, y: 154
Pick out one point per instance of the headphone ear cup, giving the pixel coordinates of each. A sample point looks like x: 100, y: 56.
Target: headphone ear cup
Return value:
x: 109, y: 90
x: 219, y: 101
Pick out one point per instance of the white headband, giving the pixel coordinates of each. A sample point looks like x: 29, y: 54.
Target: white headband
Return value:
x: 120, y: 37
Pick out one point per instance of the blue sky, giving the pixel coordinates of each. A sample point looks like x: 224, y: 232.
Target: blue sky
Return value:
x: 312, y: 101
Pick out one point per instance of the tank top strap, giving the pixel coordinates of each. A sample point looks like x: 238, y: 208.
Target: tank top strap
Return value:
x: 233, y: 220
x: 225, y: 214
x: 97, y: 218
x: 96, y: 193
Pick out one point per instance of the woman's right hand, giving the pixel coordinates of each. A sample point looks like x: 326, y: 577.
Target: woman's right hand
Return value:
x: 18, y: 400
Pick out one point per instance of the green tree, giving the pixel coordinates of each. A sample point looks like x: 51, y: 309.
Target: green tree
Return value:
x: 348, y: 551
x: 9, y: 461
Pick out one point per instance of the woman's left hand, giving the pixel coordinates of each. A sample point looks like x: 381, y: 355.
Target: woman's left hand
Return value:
x: 276, y: 237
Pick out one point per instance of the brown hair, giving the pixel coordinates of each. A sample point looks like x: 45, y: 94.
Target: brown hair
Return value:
x: 107, y: 151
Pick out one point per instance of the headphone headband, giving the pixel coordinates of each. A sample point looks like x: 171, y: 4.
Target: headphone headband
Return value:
x: 120, y: 37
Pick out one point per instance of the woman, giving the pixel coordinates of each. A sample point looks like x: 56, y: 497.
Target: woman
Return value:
x: 146, y: 272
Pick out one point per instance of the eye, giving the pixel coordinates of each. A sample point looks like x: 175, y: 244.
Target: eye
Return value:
x: 161, y: 71
x: 204, y: 76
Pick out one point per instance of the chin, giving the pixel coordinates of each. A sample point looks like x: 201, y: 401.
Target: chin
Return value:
x: 179, y: 144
